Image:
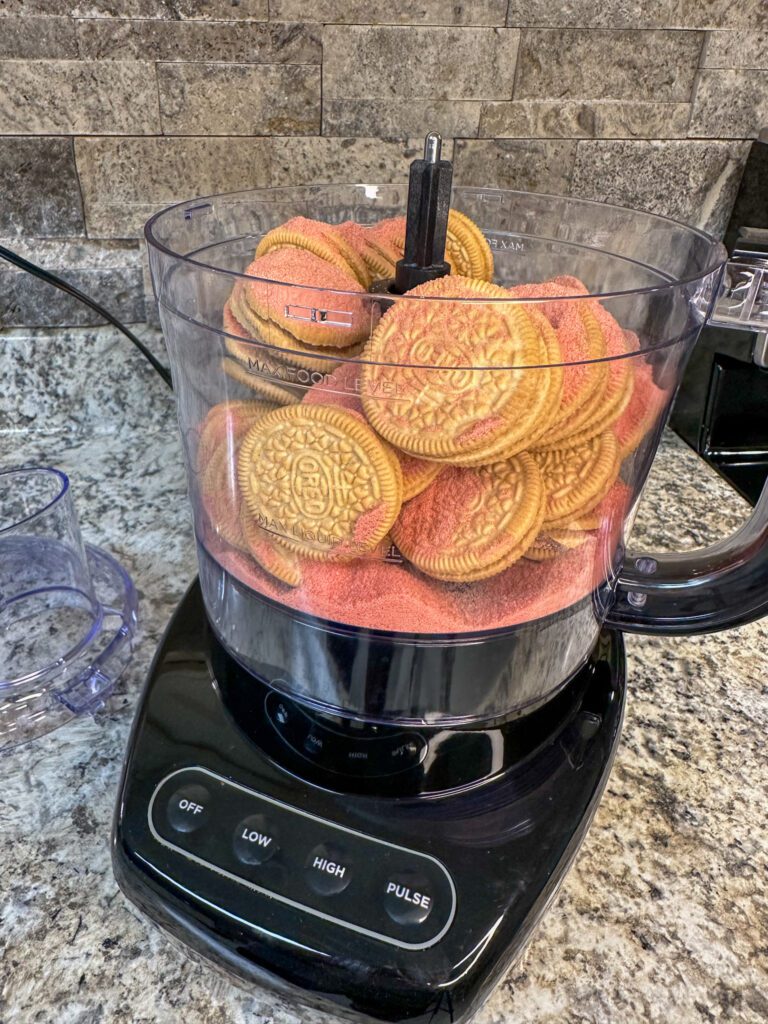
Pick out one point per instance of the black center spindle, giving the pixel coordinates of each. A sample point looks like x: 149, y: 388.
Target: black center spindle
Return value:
x: 429, y: 199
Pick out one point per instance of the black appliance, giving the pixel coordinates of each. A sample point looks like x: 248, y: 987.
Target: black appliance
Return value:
x: 721, y: 409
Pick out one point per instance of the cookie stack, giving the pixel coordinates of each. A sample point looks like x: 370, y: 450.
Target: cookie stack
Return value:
x: 344, y: 260
x: 467, y: 425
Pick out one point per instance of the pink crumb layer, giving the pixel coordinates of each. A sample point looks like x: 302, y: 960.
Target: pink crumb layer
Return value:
x: 384, y: 595
x: 571, y: 335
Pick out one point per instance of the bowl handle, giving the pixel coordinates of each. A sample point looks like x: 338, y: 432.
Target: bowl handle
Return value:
x: 723, y: 585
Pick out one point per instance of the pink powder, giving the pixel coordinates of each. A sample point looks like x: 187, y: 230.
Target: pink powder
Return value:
x: 480, y: 429
x: 376, y: 594
x: 369, y: 524
x: 354, y: 234
x: 390, y: 230
x: 436, y: 516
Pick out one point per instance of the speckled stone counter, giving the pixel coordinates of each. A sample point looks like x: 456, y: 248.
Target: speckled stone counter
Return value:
x: 664, y: 917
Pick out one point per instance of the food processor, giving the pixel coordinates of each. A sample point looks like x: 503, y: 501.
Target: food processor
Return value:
x: 417, y: 420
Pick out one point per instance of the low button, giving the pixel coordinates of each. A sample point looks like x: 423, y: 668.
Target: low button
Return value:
x: 188, y: 808
x: 328, y: 869
x: 408, y: 897
x: 255, y: 840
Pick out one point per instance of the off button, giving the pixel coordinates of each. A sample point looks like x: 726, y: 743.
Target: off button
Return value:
x: 188, y: 808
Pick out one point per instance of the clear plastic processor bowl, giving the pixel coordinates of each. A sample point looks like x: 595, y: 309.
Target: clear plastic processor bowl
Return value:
x: 380, y: 548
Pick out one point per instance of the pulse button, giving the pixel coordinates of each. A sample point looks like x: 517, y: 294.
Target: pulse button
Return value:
x: 328, y: 869
x: 408, y: 898
x: 188, y: 808
x: 255, y: 840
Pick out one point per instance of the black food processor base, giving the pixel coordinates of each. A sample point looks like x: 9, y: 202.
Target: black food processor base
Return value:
x: 394, y: 873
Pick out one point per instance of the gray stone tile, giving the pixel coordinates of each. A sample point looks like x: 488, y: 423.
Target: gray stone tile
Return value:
x: 408, y: 12
x: 40, y: 191
x: 213, y: 10
x: 239, y: 99
x: 737, y: 49
x: 586, y: 14
x: 730, y: 104
x: 33, y: 38
x: 528, y: 165
x: 718, y: 13
x: 585, y: 119
x: 308, y: 161
x: 637, y: 14
x: 30, y: 8
x: 393, y: 117
x: 108, y: 272
x: 124, y: 181
x: 694, y: 182
x: 362, y: 62
x: 578, y: 64
x: 247, y: 42
x: 204, y: 10
x: 73, y: 97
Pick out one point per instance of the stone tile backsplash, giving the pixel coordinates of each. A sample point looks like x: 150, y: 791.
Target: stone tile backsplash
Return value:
x: 111, y: 109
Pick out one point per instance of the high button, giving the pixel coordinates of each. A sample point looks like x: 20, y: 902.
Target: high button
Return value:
x: 328, y: 869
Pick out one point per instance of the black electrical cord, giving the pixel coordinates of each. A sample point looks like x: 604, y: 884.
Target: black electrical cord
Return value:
x: 58, y: 282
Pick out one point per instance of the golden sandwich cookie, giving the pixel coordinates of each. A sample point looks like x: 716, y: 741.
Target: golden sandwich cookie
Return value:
x: 319, y: 478
x: 342, y: 388
x: 313, y: 301
x: 470, y: 524
x: 445, y: 380
x: 577, y: 479
x: 324, y: 240
x: 279, y: 344
x: 550, y: 382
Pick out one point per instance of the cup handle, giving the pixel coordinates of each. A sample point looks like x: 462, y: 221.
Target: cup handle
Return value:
x: 703, y: 591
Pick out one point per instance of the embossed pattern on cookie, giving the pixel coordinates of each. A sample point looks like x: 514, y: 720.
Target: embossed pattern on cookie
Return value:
x: 321, y: 480
x: 473, y: 523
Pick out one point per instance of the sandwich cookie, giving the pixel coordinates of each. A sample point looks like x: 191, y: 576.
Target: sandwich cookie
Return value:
x: 279, y: 344
x: 319, y: 478
x: 577, y: 479
x: 324, y: 240
x: 446, y: 380
x: 470, y: 524
x: 342, y: 388
x: 292, y: 288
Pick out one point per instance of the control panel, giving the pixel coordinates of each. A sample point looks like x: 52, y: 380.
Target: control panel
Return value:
x: 379, y: 889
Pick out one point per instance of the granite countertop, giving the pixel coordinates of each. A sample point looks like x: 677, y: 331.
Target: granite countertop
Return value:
x: 664, y: 916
